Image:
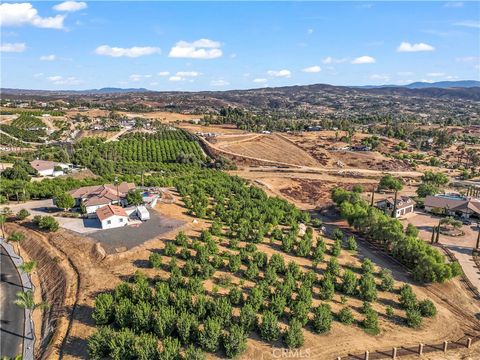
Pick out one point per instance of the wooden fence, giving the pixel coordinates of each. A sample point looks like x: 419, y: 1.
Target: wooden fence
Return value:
x: 465, y: 341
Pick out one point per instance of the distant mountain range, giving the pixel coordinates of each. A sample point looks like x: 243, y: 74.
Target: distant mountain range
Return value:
x: 426, y: 85
x: 115, y: 90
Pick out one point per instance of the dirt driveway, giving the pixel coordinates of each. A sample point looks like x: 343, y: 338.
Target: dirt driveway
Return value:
x: 461, y: 246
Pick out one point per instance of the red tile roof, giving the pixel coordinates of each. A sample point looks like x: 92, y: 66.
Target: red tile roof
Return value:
x: 105, y: 212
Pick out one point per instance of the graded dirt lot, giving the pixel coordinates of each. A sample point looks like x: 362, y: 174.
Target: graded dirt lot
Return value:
x: 269, y: 147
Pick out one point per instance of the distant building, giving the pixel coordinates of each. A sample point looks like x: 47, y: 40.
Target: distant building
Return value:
x: 405, y: 205
x: 48, y: 168
x: 453, y: 205
x: 112, y: 216
x: 97, y: 196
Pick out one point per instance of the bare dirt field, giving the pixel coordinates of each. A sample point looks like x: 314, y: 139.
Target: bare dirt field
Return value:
x: 266, y: 147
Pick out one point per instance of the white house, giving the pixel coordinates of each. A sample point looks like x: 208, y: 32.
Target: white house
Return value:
x: 404, y: 205
x: 112, y: 216
x: 47, y: 168
x: 97, y: 196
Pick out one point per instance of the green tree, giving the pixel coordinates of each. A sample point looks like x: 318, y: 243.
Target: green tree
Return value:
x: 48, y: 223
x: 209, y: 335
x: 134, y: 197
x: 349, y: 282
x: 370, y: 322
x: 22, y: 214
x: 103, y: 310
x: 293, y: 337
x: 187, y: 324
x: 322, y: 318
x: 26, y: 300
x: 234, y: 341
x: 28, y: 266
x: 407, y: 298
x: 193, y: 353
x: 248, y: 317
x: 269, y: 330
x: 345, y: 315
x: 387, y: 281
x: 414, y: 318
x: 155, y: 260
x: 391, y: 183
x: 427, y: 308
x: 352, y: 243
x: 64, y: 200
x: 367, y: 288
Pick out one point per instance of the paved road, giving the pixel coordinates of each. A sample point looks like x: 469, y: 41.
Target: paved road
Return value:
x: 12, y: 318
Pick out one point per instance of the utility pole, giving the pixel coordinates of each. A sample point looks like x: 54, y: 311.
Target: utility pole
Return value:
x: 116, y: 183
x: 373, y: 195
x: 478, y: 237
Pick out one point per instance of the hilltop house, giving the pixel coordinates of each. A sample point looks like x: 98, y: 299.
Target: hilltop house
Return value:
x: 112, y: 216
x: 453, y: 205
x: 48, y: 168
x: 97, y: 196
x: 404, y: 205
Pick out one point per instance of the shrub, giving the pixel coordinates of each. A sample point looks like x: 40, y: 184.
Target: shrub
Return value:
x: 235, y: 296
x: 367, y: 288
x: 209, y: 335
x: 22, y: 214
x: 248, y: 317
x: 193, y: 353
x: 345, y: 315
x: 387, y: 281
x: 352, y: 243
x: 427, y: 308
x: 103, y: 311
x: 187, y: 324
x: 407, y: 298
x: 268, y: 328
x: 64, y: 200
x: 349, y: 282
x: 293, y: 337
x: 48, y: 223
x: 234, y: 341
x: 389, y: 311
x: 327, y: 288
x: 170, y: 249
x: 337, y: 234
x: 370, y: 322
x: 367, y: 266
x: 155, y: 260
x: 336, y: 247
x: 322, y: 319
x: 414, y: 318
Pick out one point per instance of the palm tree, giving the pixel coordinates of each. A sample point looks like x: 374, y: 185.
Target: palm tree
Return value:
x: 26, y: 300
x: 3, y: 220
x: 16, y: 237
x: 28, y: 267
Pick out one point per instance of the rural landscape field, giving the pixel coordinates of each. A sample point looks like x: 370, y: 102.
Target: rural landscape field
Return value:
x: 181, y: 181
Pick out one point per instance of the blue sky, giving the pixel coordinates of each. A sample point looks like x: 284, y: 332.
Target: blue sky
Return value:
x: 226, y: 45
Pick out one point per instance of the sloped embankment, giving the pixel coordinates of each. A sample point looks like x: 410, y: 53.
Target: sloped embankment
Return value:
x: 58, y: 286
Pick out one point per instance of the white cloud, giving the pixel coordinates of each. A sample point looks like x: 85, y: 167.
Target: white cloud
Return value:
x: 436, y: 74
x: 260, y: 81
x: 404, y: 73
x: 468, y: 59
x: 453, y: 4
x: 51, y: 57
x: 70, y: 6
x: 38, y: 75
x: 163, y: 73
x: 310, y: 31
x: 137, y: 77
x: 199, y: 49
x: 60, y: 80
x: 219, y: 82
x: 331, y: 60
x: 13, y: 47
x: 133, y: 52
x: 380, y: 77
x: 364, y: 60
x: 469, y: 23
x: 408, y: 47
x: 312, y: 69
x: 184, y: 75
x: 25, y: 14
x: 279, y: 73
